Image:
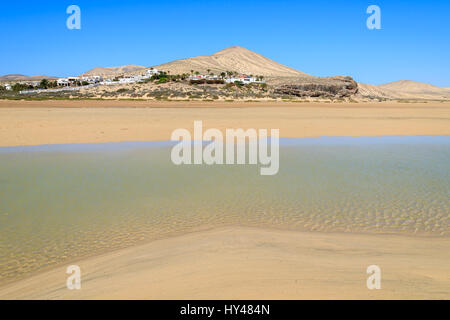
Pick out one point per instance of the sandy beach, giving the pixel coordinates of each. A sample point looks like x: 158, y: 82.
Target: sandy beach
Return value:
x: 59, y: 122
x: 237, y: 262
x: 249, y: 263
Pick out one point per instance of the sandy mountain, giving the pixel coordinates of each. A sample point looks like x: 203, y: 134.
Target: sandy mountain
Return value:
x: 21, y: 77
x: 413, y: 87
x: 113, y: 71
x: 405, y: 89
x: 370, y: 90
x: 235, y: 59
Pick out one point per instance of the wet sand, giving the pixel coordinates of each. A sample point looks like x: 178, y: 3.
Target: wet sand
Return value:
x: 250, y: 263
x: 60, y: 122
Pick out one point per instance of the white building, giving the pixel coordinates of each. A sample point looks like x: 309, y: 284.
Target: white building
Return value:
x: 152, y: 71
x: 7, y: 86
x: 93, y: 79
x: 69, y: 81
x: 63, y: 82
x: 108, y: 82
x: 127, y: 80
x: 133, y: 79
x: 199, y: 77
x: 244, y: 80
x: 31, y: 83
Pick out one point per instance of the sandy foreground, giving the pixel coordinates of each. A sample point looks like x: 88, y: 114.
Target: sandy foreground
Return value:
x: 250, y: 263
x: 237, y: 262
x: 59, y: 122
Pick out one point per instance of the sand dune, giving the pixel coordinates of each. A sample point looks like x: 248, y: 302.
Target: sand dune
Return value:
x: 231, y: 59
x: 370, y: 90
x: 412, y: 87
x: 405, y: 89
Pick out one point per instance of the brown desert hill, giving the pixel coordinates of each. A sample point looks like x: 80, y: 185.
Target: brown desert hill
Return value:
x: 236, y: 59
x: 405, y: 89
x: 283, y: 79
x: 413, y: 87
x: 114, y: 71
x: 373, y: 91
x: 21, y: 77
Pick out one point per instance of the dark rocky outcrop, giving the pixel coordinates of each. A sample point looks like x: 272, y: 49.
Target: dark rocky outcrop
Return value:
x: 330, y: 87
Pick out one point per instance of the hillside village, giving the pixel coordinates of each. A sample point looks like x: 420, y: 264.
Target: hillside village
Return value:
x: 84, y: 85
x: 79, y: 81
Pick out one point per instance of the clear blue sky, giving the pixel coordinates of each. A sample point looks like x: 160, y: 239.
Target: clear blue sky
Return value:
x: 322, y: 38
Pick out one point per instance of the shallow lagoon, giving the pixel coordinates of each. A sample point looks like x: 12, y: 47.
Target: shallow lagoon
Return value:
x: 63, y: 202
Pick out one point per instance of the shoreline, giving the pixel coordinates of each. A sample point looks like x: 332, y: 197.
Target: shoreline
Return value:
x: 167, y: 104
x: 29, y: 123
x: 254, y: 263
x: 201, y: 230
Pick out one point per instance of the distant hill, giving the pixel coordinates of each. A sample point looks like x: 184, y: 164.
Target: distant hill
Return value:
x: 413, y: 87
x: 235, y: 59
x: 21, y: 77
x: 405, y: 89
x: 113, y: 71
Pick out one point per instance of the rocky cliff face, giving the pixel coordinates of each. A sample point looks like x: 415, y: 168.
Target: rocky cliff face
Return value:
x: 330, y: 87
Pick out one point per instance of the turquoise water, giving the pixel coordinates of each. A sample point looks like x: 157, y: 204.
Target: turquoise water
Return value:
x: 60, y: 203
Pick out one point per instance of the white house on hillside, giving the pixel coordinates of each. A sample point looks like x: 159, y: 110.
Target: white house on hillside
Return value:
x: 152, y: 71
x: 63, y: 82
x: 107, y: 82
x: 93, y: 79
x: 244, y: 80
x: 127, y: 80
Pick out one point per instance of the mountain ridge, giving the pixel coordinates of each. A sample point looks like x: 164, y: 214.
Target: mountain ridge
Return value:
x: 411, y: 86
x: 405, y: 89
